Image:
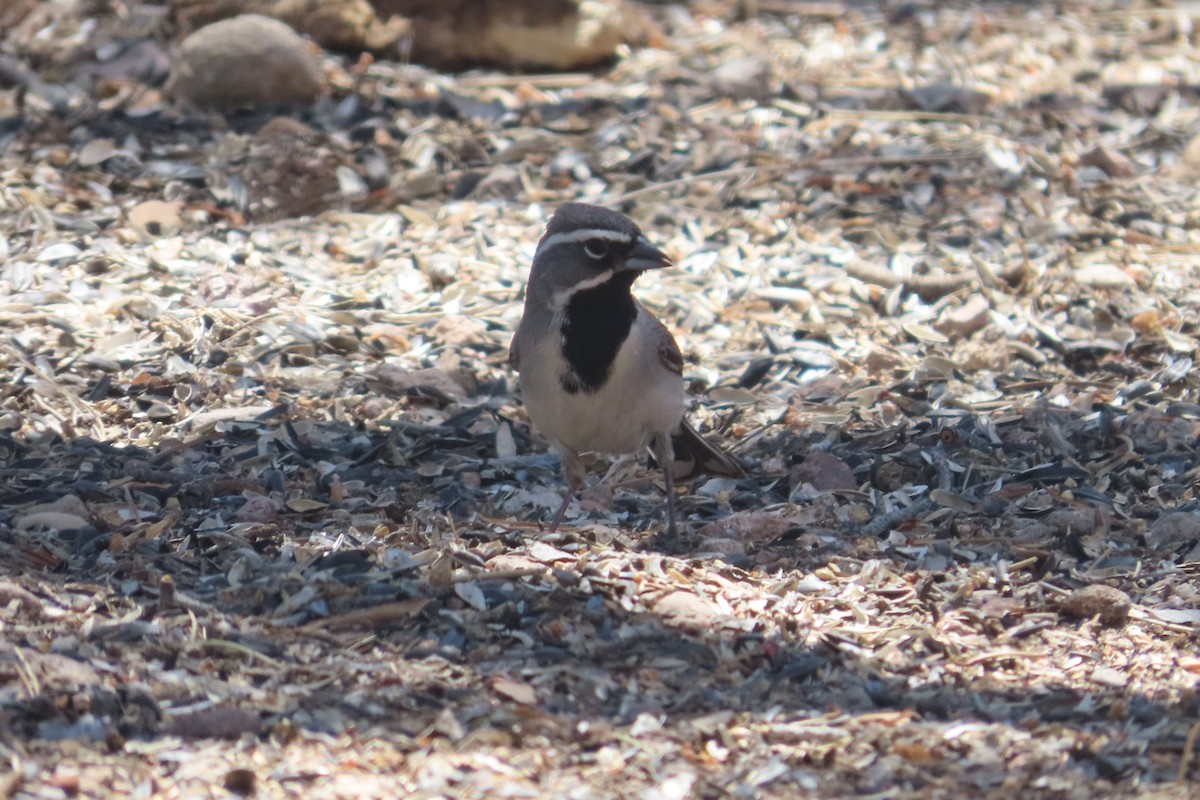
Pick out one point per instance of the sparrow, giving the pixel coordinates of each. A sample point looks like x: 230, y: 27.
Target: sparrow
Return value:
x: 598, y: 372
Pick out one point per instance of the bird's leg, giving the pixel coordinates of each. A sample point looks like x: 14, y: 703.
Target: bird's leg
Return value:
x: 574, y: 472
x: 665, y: 456
x: 568, y: 495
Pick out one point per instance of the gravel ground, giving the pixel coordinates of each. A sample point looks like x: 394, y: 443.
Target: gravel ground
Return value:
x: 272, y: 519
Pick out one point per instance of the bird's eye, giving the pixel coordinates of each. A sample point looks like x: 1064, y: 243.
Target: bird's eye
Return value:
x: 596, y: 248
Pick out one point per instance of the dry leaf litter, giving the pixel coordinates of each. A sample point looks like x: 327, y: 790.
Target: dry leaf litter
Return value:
x: 270, y: 515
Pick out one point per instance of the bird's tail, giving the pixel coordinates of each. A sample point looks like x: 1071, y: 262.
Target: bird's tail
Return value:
x: 695, y: 454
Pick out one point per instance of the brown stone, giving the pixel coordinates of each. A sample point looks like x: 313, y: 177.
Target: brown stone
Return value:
x: 244, y: 62
x: 826, y: 473
x: 546, y: 34
x: 1108, y: 603
x: 537, y: 34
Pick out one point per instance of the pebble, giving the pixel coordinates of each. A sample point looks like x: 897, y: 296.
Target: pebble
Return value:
x: 1108, y: 603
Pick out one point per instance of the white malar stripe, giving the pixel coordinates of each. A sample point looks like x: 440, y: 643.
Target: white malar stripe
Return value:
x: 583, y: 235
x: 559, y: 299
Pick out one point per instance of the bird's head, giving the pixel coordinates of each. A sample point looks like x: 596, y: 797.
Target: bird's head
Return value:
x: 585, y: 246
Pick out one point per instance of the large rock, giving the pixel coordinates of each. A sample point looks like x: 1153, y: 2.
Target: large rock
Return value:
x: 537, y: 34
x: 245, y: 62
x: 344, y: 25
x: 544, y: 34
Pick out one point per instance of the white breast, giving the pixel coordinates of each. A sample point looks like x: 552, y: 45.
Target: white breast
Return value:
x: 641, y: 398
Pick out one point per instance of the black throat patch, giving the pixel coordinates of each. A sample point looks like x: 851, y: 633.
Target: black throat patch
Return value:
x: 596, y: 323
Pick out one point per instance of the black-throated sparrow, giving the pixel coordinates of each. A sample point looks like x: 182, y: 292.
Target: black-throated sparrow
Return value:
x: 598, y: 371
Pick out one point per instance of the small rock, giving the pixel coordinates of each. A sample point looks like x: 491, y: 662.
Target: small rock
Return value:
x: 1108, y: 603
x: 244, y: 62
x: 257, y: 508
x: 826, y: 473
x: 686, y: 610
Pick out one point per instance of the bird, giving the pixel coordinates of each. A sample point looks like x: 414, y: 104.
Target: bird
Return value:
x: 598, y: 372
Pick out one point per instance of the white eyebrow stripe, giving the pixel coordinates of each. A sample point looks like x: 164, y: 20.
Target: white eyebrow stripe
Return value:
x: 583, y: 235
x: 560, y: 298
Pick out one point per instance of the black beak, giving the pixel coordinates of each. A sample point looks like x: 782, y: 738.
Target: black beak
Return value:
x: 645, y: 256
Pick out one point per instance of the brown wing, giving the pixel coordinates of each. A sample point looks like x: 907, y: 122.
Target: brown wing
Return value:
x: 692, y: 452
x: 668, y: 350
x: 514, y: 353
x: 695, y: 454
